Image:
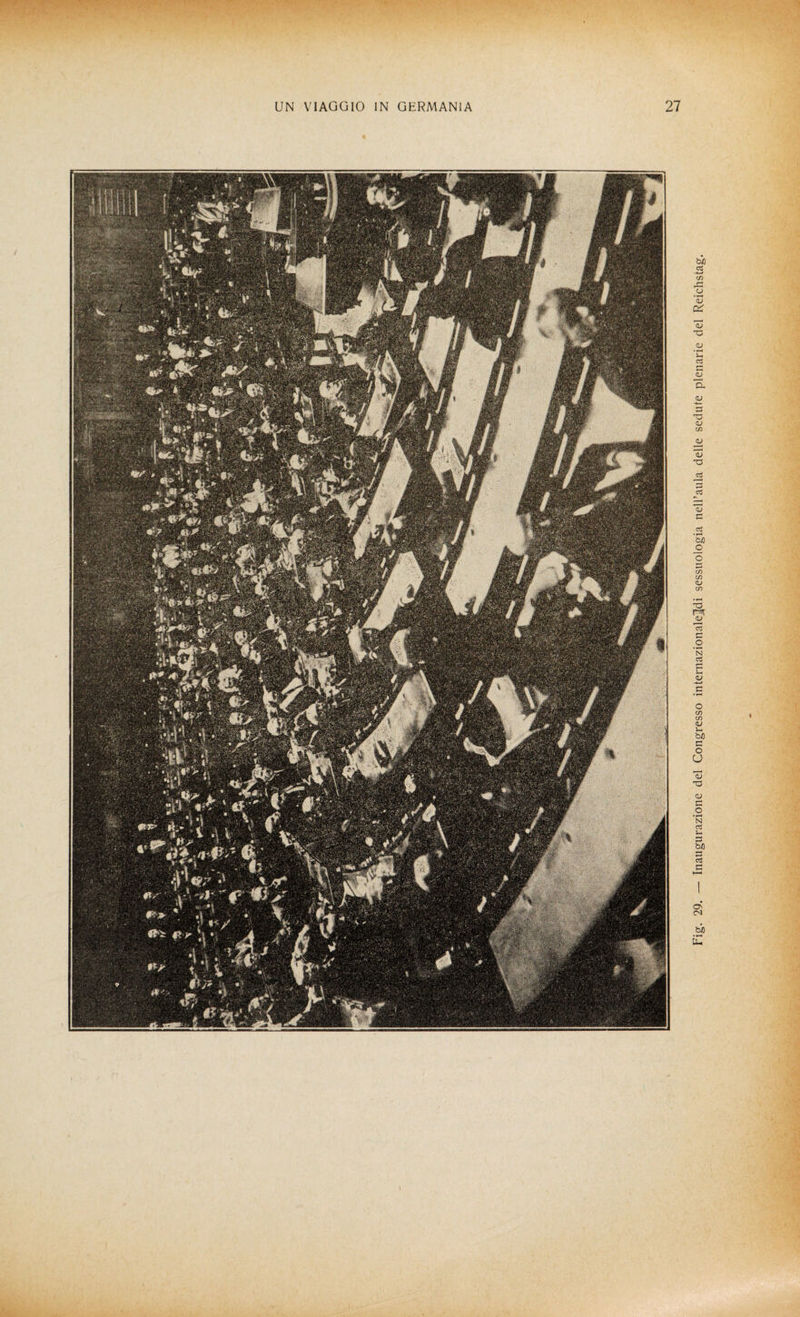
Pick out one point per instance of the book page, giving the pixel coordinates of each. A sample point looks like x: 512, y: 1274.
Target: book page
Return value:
x: 399, y: 752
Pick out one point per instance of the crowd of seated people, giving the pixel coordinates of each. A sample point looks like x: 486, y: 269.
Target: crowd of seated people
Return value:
x: 262, y: 873
x: 256, y: 484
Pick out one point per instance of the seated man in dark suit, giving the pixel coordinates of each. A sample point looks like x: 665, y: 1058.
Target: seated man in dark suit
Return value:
x: 624, y: 339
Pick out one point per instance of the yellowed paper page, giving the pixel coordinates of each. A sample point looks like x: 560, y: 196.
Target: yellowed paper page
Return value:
x: 578, y: 1169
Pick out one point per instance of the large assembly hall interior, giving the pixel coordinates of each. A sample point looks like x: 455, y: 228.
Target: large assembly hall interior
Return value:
x: 368, y: 629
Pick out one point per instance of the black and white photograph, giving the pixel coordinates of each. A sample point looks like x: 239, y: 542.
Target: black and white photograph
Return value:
x: 368, y: 622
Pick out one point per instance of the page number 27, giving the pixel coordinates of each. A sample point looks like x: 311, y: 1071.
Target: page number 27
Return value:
x: 671, y: 107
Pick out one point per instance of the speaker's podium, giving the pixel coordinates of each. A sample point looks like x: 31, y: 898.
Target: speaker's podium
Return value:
x: 304, y: 219
x: 274, y: 212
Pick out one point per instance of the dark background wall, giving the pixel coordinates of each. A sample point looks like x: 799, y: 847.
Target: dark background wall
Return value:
x: 118, y: 227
